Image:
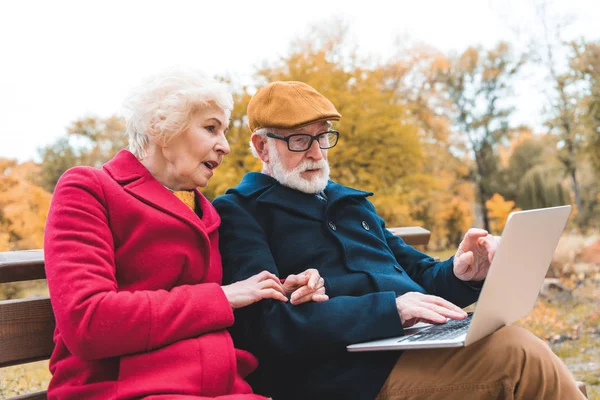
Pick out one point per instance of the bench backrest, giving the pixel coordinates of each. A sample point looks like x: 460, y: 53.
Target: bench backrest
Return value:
x: 27, y: 325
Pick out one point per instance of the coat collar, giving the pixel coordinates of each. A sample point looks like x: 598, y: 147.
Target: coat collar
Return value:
x: 267, y: 190
x: 135, y: 178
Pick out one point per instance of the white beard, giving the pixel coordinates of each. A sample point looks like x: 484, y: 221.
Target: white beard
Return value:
x: 293, y: 179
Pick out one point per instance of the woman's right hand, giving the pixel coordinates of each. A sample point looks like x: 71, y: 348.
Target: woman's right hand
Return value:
x: 264, y: 285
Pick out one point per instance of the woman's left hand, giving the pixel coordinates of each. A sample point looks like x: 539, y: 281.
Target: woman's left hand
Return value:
x: 305, y: 287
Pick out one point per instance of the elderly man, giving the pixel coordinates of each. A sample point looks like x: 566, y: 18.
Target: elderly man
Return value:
x: 292, y: 217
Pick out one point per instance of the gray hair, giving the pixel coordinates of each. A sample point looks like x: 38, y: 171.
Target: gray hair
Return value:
x: 162, y: 107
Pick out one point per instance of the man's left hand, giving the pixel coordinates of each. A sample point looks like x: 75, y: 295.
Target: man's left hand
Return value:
x: 305, y: 287
x: 474, y: 256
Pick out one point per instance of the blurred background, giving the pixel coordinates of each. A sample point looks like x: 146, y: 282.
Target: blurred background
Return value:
x: 453, y: 113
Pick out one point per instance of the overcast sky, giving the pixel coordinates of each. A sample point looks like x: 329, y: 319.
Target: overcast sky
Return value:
x: 63, y: 60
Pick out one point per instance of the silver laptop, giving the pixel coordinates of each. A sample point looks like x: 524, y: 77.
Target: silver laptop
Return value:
x: 512, y: 285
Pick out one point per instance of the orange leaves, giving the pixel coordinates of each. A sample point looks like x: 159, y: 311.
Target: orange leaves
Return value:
x: 498, y: 211
x: 23, y: 207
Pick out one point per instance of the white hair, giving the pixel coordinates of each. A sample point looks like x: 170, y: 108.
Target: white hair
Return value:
x: 163, y: 106
x: 260, y: 132
x: 292, y: 178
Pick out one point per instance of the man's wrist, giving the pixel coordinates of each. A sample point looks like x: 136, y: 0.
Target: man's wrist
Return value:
x: 476, y: 285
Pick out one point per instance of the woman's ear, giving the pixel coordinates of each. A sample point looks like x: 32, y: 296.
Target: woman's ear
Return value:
x: 260, y: 145
x: 155, y: 129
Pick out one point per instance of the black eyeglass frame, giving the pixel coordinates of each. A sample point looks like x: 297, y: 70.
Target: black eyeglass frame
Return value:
x: 312, y: 139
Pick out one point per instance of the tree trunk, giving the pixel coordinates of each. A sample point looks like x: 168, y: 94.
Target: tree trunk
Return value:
x: 578, y: 203
x: 484, y: 212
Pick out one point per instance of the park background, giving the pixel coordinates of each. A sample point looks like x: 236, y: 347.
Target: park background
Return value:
x: 446, y: 138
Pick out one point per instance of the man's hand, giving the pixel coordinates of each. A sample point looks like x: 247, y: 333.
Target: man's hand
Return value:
x: 418, y: 307
x: 474, y: 255
x: 305, y: 287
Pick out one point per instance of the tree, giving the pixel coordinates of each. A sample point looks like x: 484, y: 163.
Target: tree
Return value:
x: 23, y: 206
x: 524, y: 152
x: 585, y: 65
x: 477, y: 84
x: 499, y: 210
x: 541, y: 187
x: 56, y: 159
x: 444, y: 204
x: 89, y: 141
x: 566, y: 115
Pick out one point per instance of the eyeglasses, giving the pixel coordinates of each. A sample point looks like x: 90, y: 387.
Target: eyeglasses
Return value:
x: 299, y: 142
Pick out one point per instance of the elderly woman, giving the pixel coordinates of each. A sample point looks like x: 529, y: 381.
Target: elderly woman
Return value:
x: 132, y: 260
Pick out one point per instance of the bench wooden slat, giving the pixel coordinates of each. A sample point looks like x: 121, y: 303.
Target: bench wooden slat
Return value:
x: 24, y: 265
x: 412, y: 235
x: 26, y: 329
x: 27, y: 265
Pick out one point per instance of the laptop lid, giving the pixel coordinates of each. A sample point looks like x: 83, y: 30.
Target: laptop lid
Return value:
x: 518, y: 269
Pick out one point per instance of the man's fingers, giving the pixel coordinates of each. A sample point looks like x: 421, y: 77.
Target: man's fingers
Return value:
x: 307, y: 290
x: 462, y: 263
x: 320, y: 283
x: 424, y: 314
x: 447, y: 312
x: 442, y: 303
x: 296, y: 280
x: 318, y: 298
x: 491, y: 244
x: 304, y: 295
x: 472, y: 236
x: 314, y: 278
x: 291, y: 279
x: 475, y: 233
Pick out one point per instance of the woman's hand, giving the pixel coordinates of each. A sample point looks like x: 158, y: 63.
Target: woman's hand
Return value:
x: 264, y: 285
x: 305, y: 287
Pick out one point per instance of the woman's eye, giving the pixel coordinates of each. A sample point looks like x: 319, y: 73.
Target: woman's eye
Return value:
x: 210, y: 128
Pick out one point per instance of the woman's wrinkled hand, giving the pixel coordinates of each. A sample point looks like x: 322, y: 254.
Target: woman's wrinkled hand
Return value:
x: 305, y: 287
x: 264, y: 285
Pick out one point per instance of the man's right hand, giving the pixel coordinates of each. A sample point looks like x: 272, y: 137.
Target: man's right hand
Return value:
x: 264, y: 285
x: 417, y: 307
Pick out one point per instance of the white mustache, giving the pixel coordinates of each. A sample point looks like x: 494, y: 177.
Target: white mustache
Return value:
x: 308, y: 164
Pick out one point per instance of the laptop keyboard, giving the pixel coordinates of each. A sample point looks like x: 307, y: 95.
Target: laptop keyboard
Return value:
x: 450, y: 330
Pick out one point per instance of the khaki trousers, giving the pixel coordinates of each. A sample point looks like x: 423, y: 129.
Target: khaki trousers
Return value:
x: 509, y: 364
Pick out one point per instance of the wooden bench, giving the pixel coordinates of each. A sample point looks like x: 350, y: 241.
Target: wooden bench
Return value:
x: 27, y: 325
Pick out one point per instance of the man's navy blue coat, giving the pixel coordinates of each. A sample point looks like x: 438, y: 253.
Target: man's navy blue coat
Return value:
x: 302, y: 349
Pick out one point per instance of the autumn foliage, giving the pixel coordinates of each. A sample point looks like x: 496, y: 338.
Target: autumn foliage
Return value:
x: 499, y: 210
x: 23, y: 206
x: 427, y: 132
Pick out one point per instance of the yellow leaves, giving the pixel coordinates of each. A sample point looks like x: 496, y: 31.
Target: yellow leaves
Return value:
x: 469, y: 59
x: 4, y: 241
x: 23, y: 208
x: 498, y: 211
